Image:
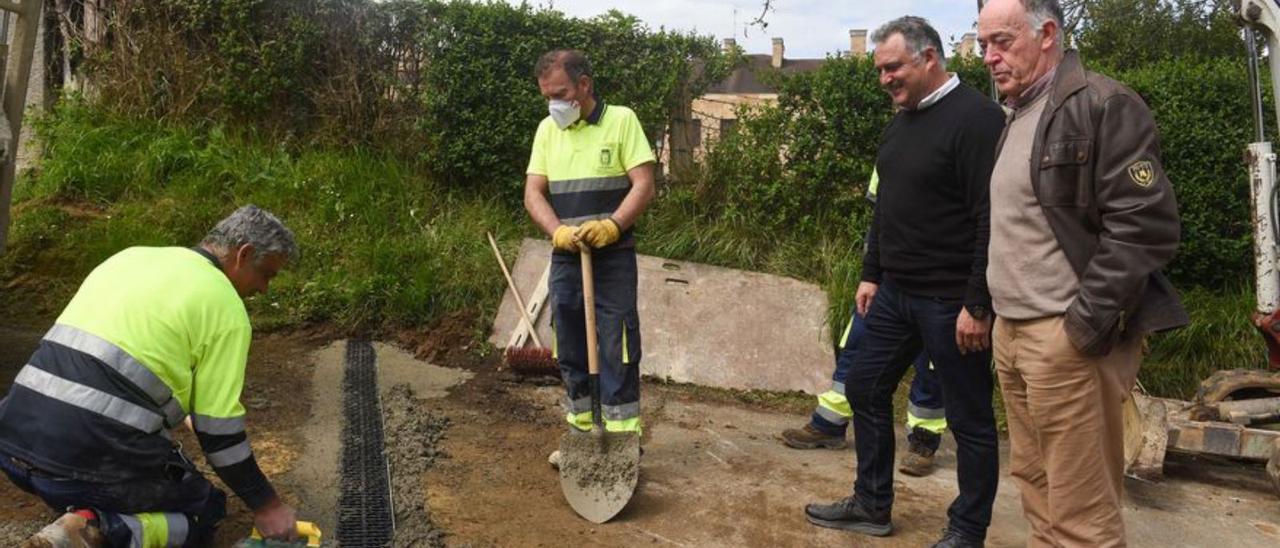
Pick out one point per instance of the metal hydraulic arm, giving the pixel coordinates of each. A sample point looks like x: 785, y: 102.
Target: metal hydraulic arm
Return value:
x: 1264, y: 16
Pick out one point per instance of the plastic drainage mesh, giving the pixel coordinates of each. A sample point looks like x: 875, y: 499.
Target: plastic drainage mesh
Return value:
x: 365, y: 515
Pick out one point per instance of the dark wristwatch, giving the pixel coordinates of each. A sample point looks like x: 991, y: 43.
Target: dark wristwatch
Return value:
x: 978, y: 312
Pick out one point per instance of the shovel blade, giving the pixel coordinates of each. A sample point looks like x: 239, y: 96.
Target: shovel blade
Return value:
x: 598, y: 473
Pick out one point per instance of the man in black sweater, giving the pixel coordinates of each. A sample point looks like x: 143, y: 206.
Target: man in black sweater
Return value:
x: 924, y: 283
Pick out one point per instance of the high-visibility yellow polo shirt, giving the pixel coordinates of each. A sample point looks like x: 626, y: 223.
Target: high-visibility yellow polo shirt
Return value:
x: 587, y: 163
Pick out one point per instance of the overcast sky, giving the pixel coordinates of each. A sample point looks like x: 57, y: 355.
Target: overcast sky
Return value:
x: 809, y: 28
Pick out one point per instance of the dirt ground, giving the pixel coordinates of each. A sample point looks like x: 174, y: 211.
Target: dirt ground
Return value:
x: 469, y: 443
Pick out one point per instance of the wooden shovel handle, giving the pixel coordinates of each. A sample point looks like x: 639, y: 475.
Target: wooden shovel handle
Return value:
x: 589, y: 302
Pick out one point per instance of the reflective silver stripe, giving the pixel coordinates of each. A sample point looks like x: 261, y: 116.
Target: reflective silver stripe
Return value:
x: 89, y: 399
x: 837, y: 387
x: 177, y: 528
x: 588, y: 185
x: 925, y: 413
x: 218, y: 426
x: 831, y: 416
x: 580, y: 405
x: 173, y: 413
x: 231, y: 455
x: 135, y: 530
x: 114, y: 356
x: 621, y: 412
x: 585, y: 218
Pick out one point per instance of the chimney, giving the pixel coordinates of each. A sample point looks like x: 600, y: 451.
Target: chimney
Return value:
x: 967, y: 46
x: 857, y: 42
x: 778, y: 48
x: 729, y: 44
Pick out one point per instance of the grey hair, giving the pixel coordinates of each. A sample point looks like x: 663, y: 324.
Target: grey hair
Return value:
x: 1041, y: 11
x: 254, y: 226
x: 574, y: 63
x: 916, y: 32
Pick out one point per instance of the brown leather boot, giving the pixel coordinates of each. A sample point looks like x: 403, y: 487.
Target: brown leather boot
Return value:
x: 69, y: 531
x: 918, y: 460
x: 810, y: 438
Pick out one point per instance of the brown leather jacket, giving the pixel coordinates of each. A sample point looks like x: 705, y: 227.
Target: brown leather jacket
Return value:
x: 1095, y: 167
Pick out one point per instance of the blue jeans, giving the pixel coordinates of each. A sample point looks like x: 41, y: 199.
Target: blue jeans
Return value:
x: 898, y: 327
x: 180, y: 488
x: 925, y: 392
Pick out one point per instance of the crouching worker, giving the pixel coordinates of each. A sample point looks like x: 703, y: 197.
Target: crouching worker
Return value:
x: 155, y: 335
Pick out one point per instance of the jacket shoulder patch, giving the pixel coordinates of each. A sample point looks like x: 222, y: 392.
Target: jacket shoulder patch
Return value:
x: 1142, y: 173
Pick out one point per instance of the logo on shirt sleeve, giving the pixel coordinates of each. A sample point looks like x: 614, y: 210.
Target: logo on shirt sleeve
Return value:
x: 1142, y: 173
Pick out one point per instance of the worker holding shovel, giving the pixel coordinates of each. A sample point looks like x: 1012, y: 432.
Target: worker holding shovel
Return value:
x: 590, y: 177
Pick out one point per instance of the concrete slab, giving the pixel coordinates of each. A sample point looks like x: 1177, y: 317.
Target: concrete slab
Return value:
x: 708, y: 325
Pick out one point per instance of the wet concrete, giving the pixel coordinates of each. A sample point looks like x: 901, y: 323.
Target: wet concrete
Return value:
x: 412, y: 434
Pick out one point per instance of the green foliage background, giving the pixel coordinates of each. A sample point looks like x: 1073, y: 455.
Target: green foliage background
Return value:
x: 392, y: 135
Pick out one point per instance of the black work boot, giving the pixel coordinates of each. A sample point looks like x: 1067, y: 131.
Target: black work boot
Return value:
x: 953, y: 539
x: 810, y: 438
x: 850, y: 515
x: 921, y: 445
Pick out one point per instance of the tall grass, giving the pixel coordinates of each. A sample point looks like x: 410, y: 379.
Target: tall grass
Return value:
x: 1220, y: 336
x: 382, y: 244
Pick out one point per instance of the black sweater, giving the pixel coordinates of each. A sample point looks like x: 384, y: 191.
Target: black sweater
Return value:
x: 931, y: 225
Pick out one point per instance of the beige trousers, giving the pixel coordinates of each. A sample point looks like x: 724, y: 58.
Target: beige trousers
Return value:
x: 1066, y: 430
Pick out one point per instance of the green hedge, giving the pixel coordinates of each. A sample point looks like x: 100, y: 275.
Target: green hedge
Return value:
x: 447, y: 83
x: 1202, y: 107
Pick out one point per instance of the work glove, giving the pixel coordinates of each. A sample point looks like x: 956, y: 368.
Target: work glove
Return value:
x: 599, y: 233
x: 565, y: 238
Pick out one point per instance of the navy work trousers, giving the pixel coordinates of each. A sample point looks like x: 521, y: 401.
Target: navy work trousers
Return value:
x: 617, y: 331
x: 178, y: 489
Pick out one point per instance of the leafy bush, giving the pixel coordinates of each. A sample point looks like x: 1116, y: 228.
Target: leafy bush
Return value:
x: 481, y: 97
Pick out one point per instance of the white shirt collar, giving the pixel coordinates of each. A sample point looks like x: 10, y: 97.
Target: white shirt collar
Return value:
x: 937, y: 95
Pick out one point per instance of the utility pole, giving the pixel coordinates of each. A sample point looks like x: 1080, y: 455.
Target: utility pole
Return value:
x: 17, y: 76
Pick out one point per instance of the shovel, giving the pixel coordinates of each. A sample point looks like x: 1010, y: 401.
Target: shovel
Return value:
x: 598, y: 471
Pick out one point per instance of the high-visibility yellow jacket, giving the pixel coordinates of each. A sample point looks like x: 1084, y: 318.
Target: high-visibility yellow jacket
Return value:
x: 153, y: 335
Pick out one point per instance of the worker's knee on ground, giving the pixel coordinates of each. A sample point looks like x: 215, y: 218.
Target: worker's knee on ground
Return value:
x: 151, y: 529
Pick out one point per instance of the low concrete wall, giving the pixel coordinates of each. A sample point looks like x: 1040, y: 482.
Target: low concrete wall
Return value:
x: 708, y: 325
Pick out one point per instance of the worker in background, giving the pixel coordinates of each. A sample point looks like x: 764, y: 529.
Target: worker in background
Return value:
x: 924, y: 284
x: 154, y: 337
x: 926, y: 415
x: 590, y: 177
x: 1082, y: 220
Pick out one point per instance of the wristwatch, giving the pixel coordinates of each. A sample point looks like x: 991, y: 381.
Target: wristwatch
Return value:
x: 978, y: 312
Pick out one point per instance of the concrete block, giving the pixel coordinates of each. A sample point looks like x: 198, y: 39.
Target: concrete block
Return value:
x: 708, y: 325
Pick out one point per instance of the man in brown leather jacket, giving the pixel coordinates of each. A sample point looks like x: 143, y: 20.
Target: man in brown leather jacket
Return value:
x: 1077, y: 244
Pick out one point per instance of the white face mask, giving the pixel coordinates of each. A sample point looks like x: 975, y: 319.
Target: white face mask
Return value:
x: 564, y: 112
